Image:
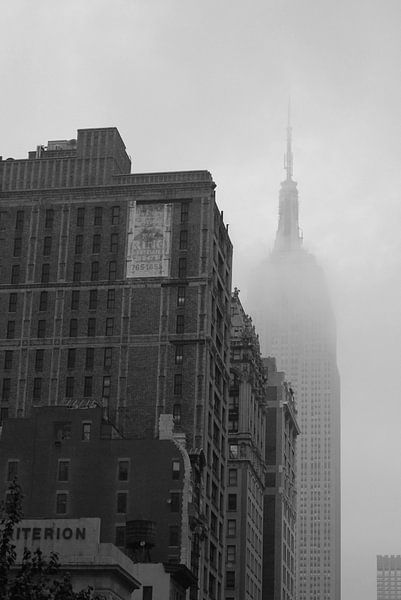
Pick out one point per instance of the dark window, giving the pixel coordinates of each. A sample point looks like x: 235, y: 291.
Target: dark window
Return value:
x: 182, y: 268
x: 147, y: 592
x: 3, y: 413
x: 175, y: 469
x: 6, y: 389
x: 175, y: 501
x: 231, y: 554
x: 106, y: 386
x: 173, y: 535
x: 69, y: 387
x: 71, y: 358
x: 183, y: 239
x: 37, y: 389
x: 8, y: 359
x: 115, y: 215
x: 89, y: 358
x: 181, y: 296
x: 79, y: 243
x: 41, y: 328
x: 92, y: 299
x: 10, y: 330
x: 95, y: 271
x: 123, y: 469
x: 108, y: 358
x: 86, y: 431
x: 75, y: 300
x: 39, y: 359
x: 232, y: 502
x: 15, y: 274
x: 180, y: 324
x: 80, y: 217
x: 114, y: 242
x: 98, y: 215
x: 230, y: 580
x: 179, y: 353
x: 111, y: 298
x: 62, y: 430
x: 17, y: 246
x: 45, y: 273
x: 43, y: 301
x: 122, y: 502
x: 177, y: 413
x: 73, y: 327
x: 19, y: 220
x: 96, y: 242
x: 112, y: 270
x: 177, y: 384
x: 184, y: 212
x: 232, y: 477
x: 49, y: 219
x: 231, y: 527
x: 91, y: 326
x: 109, y: 326
x: 61, y: 503
x: 88, y: 385
x: 12, y: 469
x: 77, y: 273
x: 12, y: 302
x: 63, y: 472
x: 120, y: 536
x: 47, y: 246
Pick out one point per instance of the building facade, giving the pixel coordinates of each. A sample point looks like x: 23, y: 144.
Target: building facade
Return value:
x: 115, y: 290
x: 388, y: 577
x: 246, y: 464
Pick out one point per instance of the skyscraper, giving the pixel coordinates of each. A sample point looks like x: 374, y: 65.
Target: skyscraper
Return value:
x: 298, y: 328
x: 388, y: 577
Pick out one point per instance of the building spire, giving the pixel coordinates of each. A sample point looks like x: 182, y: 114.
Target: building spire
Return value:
x: 289, y: 157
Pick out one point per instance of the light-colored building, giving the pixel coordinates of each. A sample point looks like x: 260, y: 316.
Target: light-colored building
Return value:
x: 389, y: 577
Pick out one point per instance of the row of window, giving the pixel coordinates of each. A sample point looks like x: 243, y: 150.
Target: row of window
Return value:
x: 91, y: 330
x: 77, y: 274
x: 98, y: 213
x: 71, y: 358
x: 79, y: 244
x: 75, y: 300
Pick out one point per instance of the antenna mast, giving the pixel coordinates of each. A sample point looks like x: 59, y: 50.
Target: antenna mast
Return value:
x: 288, y: 157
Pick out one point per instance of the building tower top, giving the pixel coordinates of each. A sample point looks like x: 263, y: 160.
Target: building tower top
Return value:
x: 289, y: 157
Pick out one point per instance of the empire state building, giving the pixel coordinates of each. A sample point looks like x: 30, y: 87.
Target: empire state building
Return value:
x: 299, y: 330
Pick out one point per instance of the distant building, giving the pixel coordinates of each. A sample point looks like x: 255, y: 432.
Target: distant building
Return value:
x: 389, y: 577
x: 280, y: 498
x: 246, y: 465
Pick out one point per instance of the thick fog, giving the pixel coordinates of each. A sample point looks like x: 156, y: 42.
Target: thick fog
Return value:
x: 205, y: 85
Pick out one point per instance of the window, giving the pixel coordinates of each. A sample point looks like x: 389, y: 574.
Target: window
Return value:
x: 183, y: 239
x: 115, y: 215
x: 119, y: 539
x: 175, y: 501
x: 15, y: 274
x: 12, y: 302
x: 91, y: 327
x: 181, y: 296
x: 179, y: 328
x: 122, y: 502
x: 96, y: 243
x: 37, y: 389
x: 43, y: 301
x: 62, y: 430
x: 3, y: 413
x: 177, y: 413
x: 80, y: 217
x: 17, y: 246
x: 233, y: 451
x: 79, y: 242
x: 232, y: 502
x: 71, y: 357
x: 47, y: 246
x: 89, y: 358
x: 182, y: 268
x: 12, y: 469
x: 92, y: 299
x: 19, y: 220
x: 63, y: 470
x: 88, y: 385
x: 109, y: 326
x: 86, y: 432
x: 97, y: 221
x: 230, y: 580
x: 106, y: 387
x: 39, y: 359
x: 178, y: 384
x: 45, y: 273
x: 147, y: 592
x: 114, y: 242
x: 184, y: 212
x: 175, y: 469
x: 8, y: 360
x: 75, y: 300
x: 61, y: 503
x: 123, y: 469
x: 6, y: 389
x: 231, y: 527
x: 73, y: 327
x: 69, y: 387
x: 77, y: 273
x: 108, y: 358
x: 41, y: 328
x: 173, y: 535
x: 49, y: 218
x: 95, y: 271
x: 10, y: 330
x: 231, y: 554
x: 112, y: 270
x: 111, y: 298
x: 232, y: 477
x: 179, y: 353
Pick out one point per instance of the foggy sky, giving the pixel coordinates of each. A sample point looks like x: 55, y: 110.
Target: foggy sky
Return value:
x: 194, y: 85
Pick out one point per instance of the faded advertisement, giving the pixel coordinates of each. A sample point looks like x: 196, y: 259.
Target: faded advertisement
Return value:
x: 149, y: 240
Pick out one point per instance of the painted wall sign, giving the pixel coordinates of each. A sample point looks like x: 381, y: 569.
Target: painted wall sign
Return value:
x: 149, y: 240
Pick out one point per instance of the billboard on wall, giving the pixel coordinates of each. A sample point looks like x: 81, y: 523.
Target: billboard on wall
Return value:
x: 149, y: 240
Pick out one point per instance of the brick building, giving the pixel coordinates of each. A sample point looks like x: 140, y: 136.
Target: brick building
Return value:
x: 115, y: 290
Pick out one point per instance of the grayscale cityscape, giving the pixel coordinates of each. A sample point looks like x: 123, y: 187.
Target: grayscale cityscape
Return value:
x: 200, y: 291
